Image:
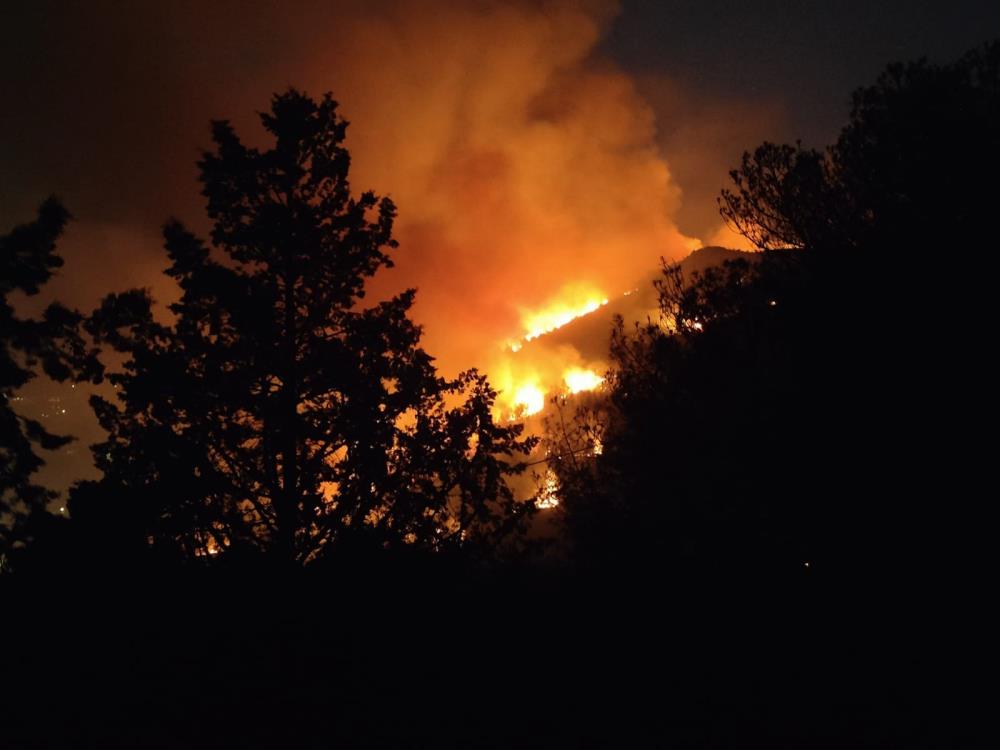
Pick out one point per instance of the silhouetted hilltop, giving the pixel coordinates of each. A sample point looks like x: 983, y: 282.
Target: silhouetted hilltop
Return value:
x: 589, y: 334
x: 710, y: 255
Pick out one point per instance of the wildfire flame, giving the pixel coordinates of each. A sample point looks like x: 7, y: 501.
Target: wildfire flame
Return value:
x: 548, y: 496
x: 578, y: 379
x: 529, y: 399
x: 526, y: 380
x: 572, y: 302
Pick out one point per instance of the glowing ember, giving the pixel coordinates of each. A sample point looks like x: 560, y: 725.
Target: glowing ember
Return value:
x: 578, y: 379
x: 548, y: 496
x: 529, y: 399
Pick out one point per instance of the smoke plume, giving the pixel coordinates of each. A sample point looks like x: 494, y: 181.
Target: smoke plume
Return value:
x: 523, y: 162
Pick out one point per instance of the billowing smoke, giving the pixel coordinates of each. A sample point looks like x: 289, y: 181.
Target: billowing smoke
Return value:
x: 525, y: 168
x: 523, y: 163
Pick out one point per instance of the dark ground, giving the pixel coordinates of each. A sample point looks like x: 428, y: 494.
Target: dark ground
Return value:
x: 426, y: 658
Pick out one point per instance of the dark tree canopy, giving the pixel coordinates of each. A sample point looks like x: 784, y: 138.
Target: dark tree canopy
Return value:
x: 803, y: 404
x: 691, y: 460
x: 28, y: 258
x: 275, y: 411
x: 913, y: 170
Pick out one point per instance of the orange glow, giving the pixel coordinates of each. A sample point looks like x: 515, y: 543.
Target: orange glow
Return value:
x: 548, y: 496
x: 573, y: 302
x: 527, y: 159
x: 526, y: 374
x: 578, y: 379
x: 529, y: 399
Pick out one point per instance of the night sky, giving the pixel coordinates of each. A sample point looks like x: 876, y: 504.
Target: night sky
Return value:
x: 107, y: 104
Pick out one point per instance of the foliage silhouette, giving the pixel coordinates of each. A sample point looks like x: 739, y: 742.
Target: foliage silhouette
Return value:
x: 277, y: 413
x: 748, y: 429
x: 797, y: 407
x: 28, y: 258
x: 912, y: 170
x: 693, y: 439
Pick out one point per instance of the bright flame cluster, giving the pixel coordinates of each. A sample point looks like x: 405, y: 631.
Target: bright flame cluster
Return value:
x: 526, y: 383
x: 572, y: 302
x: 529, y: 399
x: 548, y: 496
x: 578, y: 379
x: 546, y: 321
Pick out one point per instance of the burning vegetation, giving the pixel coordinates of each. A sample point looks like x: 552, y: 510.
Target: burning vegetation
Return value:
x: 529, y: 370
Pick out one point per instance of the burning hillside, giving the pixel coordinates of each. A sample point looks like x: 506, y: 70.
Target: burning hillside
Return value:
x: 530, y: 185
x: 564, y: 344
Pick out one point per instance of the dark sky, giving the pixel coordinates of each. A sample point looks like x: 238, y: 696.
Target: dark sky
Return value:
x: 107, y: 105
x: 807, y: 54
x: 798, y: 60
x: 88, y: 74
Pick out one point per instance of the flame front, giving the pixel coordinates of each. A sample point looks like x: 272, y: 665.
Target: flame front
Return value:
x: 578, y: 379
x: 572, y: 302
x: 529, y: 399
x: 525, y: 377
x: 548, y: 496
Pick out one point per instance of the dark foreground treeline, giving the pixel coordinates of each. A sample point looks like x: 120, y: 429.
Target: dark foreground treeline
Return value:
x: 409, y: 657
x: 772, y: 525
x: 816, y: 405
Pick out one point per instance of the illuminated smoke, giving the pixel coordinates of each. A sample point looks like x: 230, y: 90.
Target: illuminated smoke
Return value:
x: 525, y: 168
